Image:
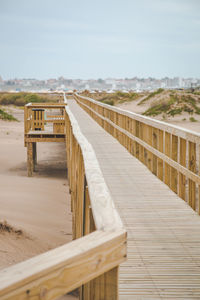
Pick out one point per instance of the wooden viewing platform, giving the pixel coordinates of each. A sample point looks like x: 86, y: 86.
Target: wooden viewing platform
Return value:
x: 41, y: 125
x: 127, y: 174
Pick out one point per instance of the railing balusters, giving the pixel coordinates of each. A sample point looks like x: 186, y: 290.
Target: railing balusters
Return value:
x: 167, y: 152
x: 133, y: 130
x: 182, y: 161
x: 192, y: 167
x: 174, y: 156
x: 155, y: 145
x: 160, y: 148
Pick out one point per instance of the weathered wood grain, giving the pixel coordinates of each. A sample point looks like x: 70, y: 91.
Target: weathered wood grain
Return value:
x: 58, y: 271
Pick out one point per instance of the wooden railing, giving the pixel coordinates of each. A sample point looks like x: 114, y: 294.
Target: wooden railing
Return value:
x: 35, y: 116
x: 91, y: 261
x: 170, y: 152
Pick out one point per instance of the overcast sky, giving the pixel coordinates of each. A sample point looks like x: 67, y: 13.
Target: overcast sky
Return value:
x: 99, y: 39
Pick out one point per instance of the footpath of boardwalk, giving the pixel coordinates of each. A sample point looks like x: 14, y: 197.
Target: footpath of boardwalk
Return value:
x: 163, y: 231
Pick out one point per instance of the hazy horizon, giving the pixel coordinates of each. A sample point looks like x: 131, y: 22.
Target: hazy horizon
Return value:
x: 91, y: 39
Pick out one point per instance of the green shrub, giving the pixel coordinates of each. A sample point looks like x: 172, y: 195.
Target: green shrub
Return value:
x: 108, y: 101
x: 21, y: 99
x: 173, y: 112
x: 192, y: 119
x: 5, y: 116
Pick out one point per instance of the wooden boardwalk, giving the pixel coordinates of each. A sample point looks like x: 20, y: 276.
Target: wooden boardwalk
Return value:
x: 163, y: 231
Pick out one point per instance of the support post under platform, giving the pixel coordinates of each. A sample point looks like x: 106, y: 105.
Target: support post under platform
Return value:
x: 34, y: 155
x: 30, y: 163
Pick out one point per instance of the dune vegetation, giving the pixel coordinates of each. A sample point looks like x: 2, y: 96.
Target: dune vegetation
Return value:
x: 21, y: 99
x: 167, y: 103
x: 113, y: 98
x: 173, y: 105
x: 6, y: 116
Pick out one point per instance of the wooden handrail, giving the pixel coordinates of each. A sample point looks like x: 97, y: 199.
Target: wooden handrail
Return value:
x: 184, y: 133
x: 56, y: 272
x: 105, y: 214
x: 170, y: 152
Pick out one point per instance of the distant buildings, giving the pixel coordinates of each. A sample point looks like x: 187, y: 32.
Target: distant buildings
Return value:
x: 108, y: 84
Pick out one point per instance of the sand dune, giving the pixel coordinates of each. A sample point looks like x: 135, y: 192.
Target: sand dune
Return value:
x: 182, y: 120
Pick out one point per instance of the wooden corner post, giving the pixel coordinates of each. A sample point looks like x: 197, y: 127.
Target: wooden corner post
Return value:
x: 105, y: 286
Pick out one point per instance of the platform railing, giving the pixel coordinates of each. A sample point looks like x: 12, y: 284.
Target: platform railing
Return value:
x: 90, y: 262
x: 170, y: 152
x: 36, y: 115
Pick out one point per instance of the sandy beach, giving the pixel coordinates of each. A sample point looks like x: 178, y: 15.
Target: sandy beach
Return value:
x: 36, y: 210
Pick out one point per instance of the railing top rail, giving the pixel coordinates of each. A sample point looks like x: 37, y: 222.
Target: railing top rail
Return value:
x: 63, y: 269
x: 173, y: 129
x: 45, y: 105
x: 105, y: 214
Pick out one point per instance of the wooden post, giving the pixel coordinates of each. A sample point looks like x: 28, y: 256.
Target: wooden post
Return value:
x: 174, y: 156
x: 105, y: 286
x: 192, y: 167
x: 30, y: 159
x: 80, y: 194
x: 167, y: 152
x: 145, y: 138
x: 160, y: 148
x: 155, y: 145
x: 182, y: 161
x: 141, y: 136
x: 133, y: 131
x: 88, y: 228
x: 137, y: 148
x: 34, y: 155
x: 149, y: 154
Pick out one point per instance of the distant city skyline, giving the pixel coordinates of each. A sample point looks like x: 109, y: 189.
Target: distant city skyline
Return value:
x: 93, y: 39
x: 109, y: 84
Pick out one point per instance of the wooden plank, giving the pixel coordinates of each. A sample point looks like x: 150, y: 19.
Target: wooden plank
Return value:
x: 155, y: 145
x: 174, y: 156
x: 145, y: 140
x: 133, y: 132
x: 80, y: 195
x: 182, y: 161
x: 45, y: 106
x: 61, y: 270
x: 45, y: 139
x: 141, y: 148
x: 111, y: 284
x: 149, y: 154
x: 137, y: 149
x: 87, y: 209
x: 168, y: 153
x: 192, y: 167
x: 105, y: 286
x: 160, y: 148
